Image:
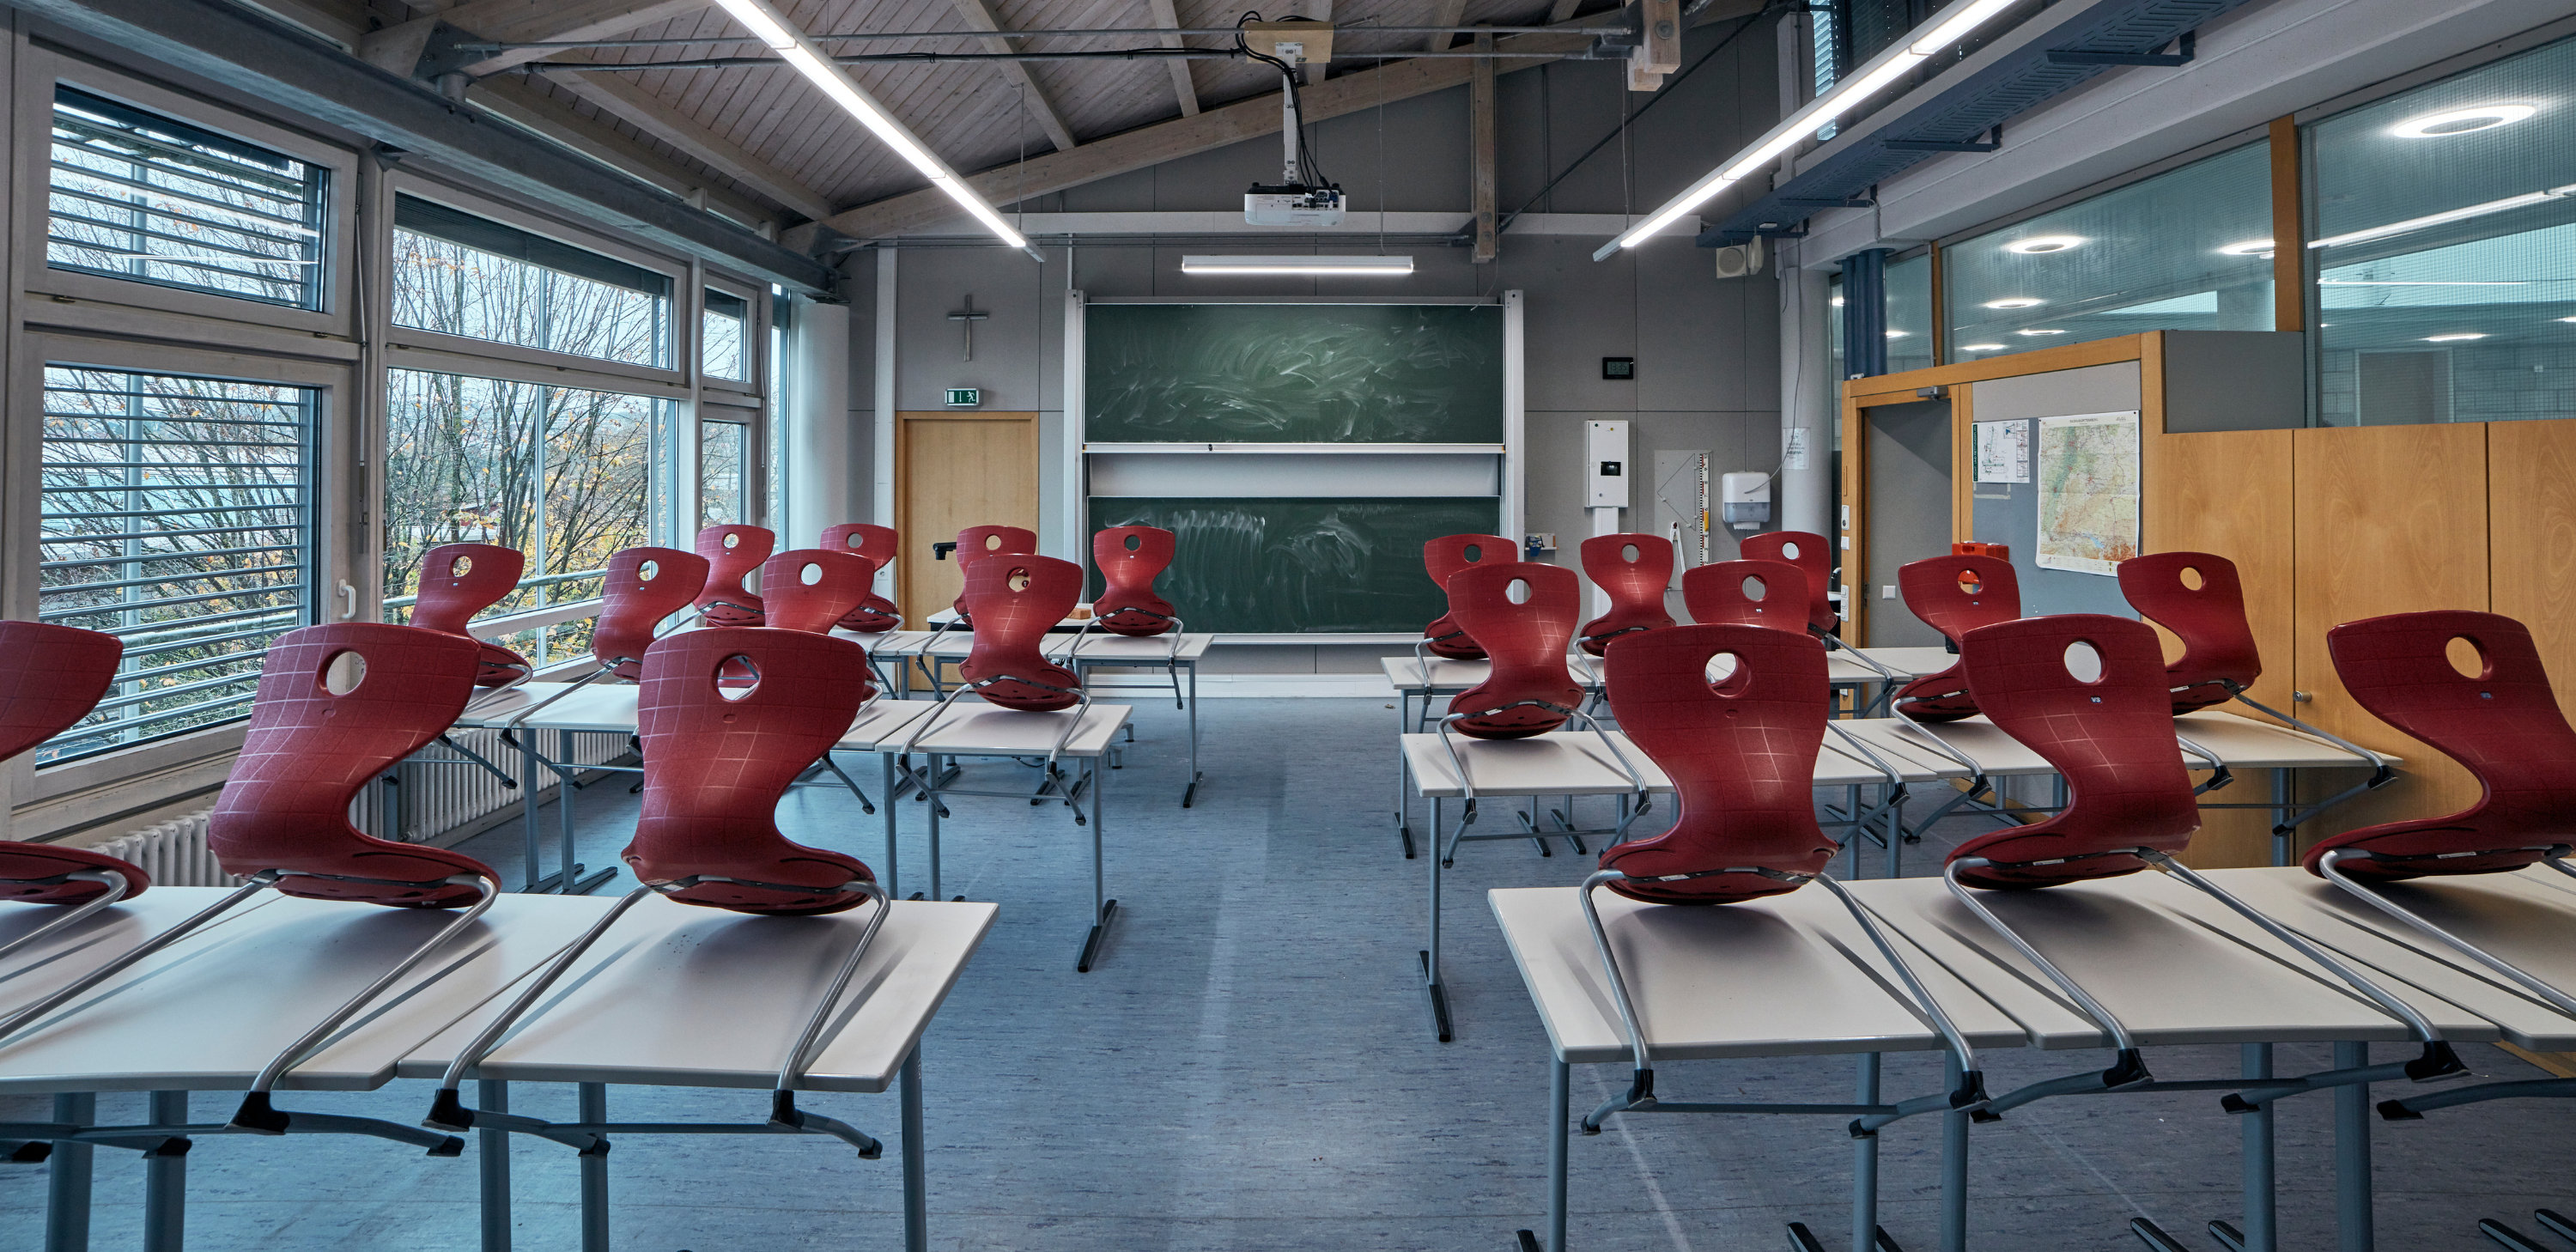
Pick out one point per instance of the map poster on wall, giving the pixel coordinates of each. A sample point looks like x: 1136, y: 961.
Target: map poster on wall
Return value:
x: 2003, y: 452
x: 2088, y: 492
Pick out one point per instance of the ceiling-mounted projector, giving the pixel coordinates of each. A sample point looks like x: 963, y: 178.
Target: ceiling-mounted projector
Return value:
x: 1302, y: 196
x: 1292, y: 204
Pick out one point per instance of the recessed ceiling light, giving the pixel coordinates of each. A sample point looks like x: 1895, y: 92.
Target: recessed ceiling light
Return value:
x: 2454, y: 338
x: 2039, y: 332
x: 2567, y: 319
x: 2015, y: 302
x: 1981, y: 347
x: 2466, y: 121
x: 1383, y: 265
x: 1898, y: 334
x: 2039, y: 245
x: 1838, y: 302
x: 2251, y: 247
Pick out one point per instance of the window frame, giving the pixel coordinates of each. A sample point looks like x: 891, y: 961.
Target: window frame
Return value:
x: 755, y: 466
x: 755, y: 335
x: 35, y: 100
x: 682, y: 338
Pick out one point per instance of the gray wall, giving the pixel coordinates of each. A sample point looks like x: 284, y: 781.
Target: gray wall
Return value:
x: 1707, y: 349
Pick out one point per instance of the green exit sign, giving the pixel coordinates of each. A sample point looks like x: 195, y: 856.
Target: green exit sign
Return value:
x: 964, y: 397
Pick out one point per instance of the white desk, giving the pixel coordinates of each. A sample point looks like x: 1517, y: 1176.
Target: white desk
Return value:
x: 1169, y: 653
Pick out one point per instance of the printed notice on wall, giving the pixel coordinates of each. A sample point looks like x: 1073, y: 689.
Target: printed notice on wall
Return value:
x: 2088, y: 492
x: 2003, y: 452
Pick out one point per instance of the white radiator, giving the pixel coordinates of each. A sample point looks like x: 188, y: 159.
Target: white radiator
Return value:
x: 172, y: 852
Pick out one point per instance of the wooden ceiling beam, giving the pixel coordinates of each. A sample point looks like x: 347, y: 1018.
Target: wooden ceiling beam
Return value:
x: 550, y: 21
x: 620, y: 98
x: 980, y: 15
x: 538, y: 113
x: 1183, y: 86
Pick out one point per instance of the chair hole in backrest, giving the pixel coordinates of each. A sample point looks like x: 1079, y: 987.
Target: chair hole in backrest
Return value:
x: 854, y: 541
x: 2084, y: 662
x: 342, y: 673
x: 648, y: 571
x: 460, y: 567
x: 1755, y: 588
x: 2192, y: 579
x: 1135, y: 543
x: 1726, y: 673
x: 1629, y: 552
x: 810, y: 574
x: 1019, y: 580
x: 1789, y: 551
x: 1472, y: 553
x: 1517, y: 591
x: 1970, y: 583
x: 2466, y: 656
x: 733, y: 539
x: 737, y: 677
x: 992, y: 543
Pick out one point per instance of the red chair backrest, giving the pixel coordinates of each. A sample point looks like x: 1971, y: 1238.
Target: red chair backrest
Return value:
x: 2219, y: 657
x: 875, y: 614
x: 308, y: 752
x: 1011, y: 621
x: 977, y: 542
x: 2111, y: 738
x: 1741, y: 753
x: 643, y: 586
x: 50, y: 678
x: 1444, y: 557
x: 1635, y: 586
x: 718, y: 755
x: 732, y: 551
x: 1723, y: 595
x: 459, y: 580
x: 1953, y: 595
x: 812, y: 589
x: 1811, y: 553
x: 1529, y: 691
x: 1130, y: 558
x: 2504, y: 726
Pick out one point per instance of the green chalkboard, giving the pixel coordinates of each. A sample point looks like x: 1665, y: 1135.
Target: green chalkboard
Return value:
x: 1277, y: 565
x: 1293, y: 373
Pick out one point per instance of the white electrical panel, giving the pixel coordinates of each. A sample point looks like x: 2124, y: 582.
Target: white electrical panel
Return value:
x: 1605, y: 455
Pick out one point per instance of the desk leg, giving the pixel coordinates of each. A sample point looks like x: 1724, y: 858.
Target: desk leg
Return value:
x: 1954, y: 1166
x: 2353, y: 1221
x: 1852, y: 834
x: 1102, y: 907
x: 887, y: 759
x: 930, y: 800
x: 569, y: 884
x: 165, y: 1179
x: 492, y: 1166
x: 1865, y: 1160
x: 1192, y: 792
x: 916, y: 1174
x: 2281, y: 809
x: 528, y: 807
x: 1431, y: 955
x: 1895, y: 834
x: 594, y: 1172
x: 2260, y: 1233
x: 1559, y: 1091
x: 67, y: 1178
x: 1403, y: 771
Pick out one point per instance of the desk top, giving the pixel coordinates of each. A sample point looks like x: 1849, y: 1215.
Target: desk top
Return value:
x: 1129, y: 649
x: 1912, y: 662
x: 1559, y: 763
x: 1447, y: 676
x: 1790, y: 975
x: 974, y: 728
x: 2172, y: 972
x: 693, y: 997
x: 2527, y: 918
x: 2241, y: 742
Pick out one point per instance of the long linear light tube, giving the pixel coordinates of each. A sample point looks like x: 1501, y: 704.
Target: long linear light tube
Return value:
x: 1946, y: 30
x: 2447, y: 216
x: 1390, y: 266
x: 800, y: 51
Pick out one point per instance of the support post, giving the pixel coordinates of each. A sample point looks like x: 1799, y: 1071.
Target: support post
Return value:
x: 916, y: 1176
x: 1954, y: 1165
x: 2261, y: 1235
x: 165, y: 1178
x: 1865, y: 1161
x: 1480, y: 146
x: 594, y: 1172
x: 492, y: 1166
x: 2353, y: 1221
x: 67, y: 1176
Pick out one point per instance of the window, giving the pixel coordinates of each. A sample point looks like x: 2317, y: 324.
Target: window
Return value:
x: 2188, y: 249
x: 563, y: 474
x: 137, y: 196
x: 725, y: 465
x: 2443, y: 245
x: 176, y: 515
x: 1909, y: 314
x: 458, y: 274
x: 724, y: 337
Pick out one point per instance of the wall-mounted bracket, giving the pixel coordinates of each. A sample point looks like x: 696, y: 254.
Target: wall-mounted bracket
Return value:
x: 1994, y: 140
x: 2182, y: 55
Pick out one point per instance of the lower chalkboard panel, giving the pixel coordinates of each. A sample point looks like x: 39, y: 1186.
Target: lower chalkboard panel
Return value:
x: 1279, y: 565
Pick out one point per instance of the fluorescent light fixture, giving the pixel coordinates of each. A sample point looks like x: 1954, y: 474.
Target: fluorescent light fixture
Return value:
x: 1981, y: 347
x: 2039, y: 332
x: 1947, y: 29
x: 2015, y: 302
x: 1898, y: 334
x: 2251, y: 247
x: 2567, y: 319
x: 2468, y: 121
x: 2042, y: 245
x: 792, y: 46
x: 1389, y: 266
x: 2396, y: 282
x: 1838, y: 302
x: 2447, y: 216
x: 2459, y: 338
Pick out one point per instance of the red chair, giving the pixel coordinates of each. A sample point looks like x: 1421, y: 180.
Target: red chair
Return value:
x: 1635, y: 585
x: 812, y: 589
x: 643, y: 588
x: 1529, y: 691
x: 1442, y: 558
x: 2219, y: 658
x: 731, y: 552
x: 1811, y: 553
x: 1723, y: 594
x: 1954, y: 595
x: 719, y: 757
x: 1742, y: 758
x: 977, y: 542
x: 460, y: 580
x: 1014, y: 602
x: 876, y: 614
x: 2130, y: 803
x: 1130, y: 558
x: 50, y: 678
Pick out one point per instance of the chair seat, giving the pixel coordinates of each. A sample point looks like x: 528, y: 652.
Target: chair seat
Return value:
x: 804, y: 883
x: 1935, y: 698
x: 498, y: 666
x: 29, y: 874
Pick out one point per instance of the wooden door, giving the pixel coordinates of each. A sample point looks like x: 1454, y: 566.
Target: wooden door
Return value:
x: 952, y: 471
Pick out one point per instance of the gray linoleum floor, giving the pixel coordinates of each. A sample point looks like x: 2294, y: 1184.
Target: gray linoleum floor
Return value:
x: 1251, y: 1065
